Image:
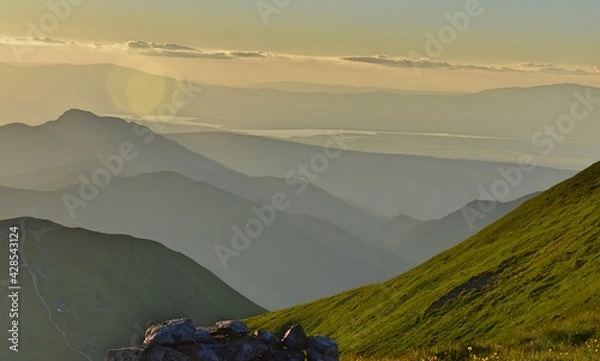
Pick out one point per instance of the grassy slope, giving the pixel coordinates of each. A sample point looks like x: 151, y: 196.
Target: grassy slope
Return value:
x: 546, y: 257
x: 111, y: 288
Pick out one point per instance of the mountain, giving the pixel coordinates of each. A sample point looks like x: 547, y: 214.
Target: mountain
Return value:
x: 497, y: 125
x: 253, y: 247
x: 389, y: 184
x: 58, y: 153
x: 401, y: 225
x: 510, y: 112
x: 530, y: 279
x: 419, y: 241
x: 84, y: 292
x: 299, y: 87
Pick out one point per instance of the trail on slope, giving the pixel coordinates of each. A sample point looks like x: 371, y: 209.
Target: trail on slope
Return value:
x: 37, y: 236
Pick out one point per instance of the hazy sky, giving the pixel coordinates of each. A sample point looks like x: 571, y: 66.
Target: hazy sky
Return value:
x: 377, y: 42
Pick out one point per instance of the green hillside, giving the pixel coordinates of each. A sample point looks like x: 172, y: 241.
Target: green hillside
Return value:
x: 84, y: 292
x: 525, y: 284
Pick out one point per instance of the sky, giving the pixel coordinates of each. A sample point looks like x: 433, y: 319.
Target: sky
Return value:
x: 450, y: 45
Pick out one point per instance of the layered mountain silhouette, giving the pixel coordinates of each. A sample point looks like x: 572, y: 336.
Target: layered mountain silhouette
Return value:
x: 508, y: 112
x: 210, y: 225
x: 422, y: 187
x: 418, y: 241
x: 107, y: 175
x: 79, y: 143
x: 83, y: 292
x: 532, y: 269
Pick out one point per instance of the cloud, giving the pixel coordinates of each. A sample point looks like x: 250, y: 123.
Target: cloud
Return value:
x: 248, y: 54
x: 182, y: 51
x: 402, y: 61
x: 165, y: 46
x: 175, y: 50
x: 48, y: 40
x: 427, y: 63
x: 171, y: 50
x: 33, y: 41
x: 551, y: 68
x: 421, y: 63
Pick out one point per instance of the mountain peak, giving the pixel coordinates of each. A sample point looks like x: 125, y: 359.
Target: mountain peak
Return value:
x: 79, y: 117
x: 77, y: 114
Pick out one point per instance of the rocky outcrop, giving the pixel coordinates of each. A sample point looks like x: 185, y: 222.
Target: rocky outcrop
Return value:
x: 180, y: 340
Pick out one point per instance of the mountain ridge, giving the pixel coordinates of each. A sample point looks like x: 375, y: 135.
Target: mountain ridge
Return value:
x: 531, y: 268
x: 84, y: 292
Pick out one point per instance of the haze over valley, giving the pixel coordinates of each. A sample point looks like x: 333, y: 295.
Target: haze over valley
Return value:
x: 299, y: 181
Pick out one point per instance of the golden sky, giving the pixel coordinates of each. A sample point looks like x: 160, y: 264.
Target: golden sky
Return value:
x: 451, y: 45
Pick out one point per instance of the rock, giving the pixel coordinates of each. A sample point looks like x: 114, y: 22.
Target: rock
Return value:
x: 216, y: 348
x: 232, y: 327
x: 125, y: 354
x: 170, y: 333
x: 284, y: 355
x: 206, y: 353
x: 321, y: 348
x: 244, y: 348
x: 295, y: 338
x: 267, y: 338
x: 161, y: 353
x: 179, y: 340
x: 202, y: 336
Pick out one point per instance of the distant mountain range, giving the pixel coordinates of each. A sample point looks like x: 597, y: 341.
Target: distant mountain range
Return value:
x: 422, y: 187
x: 195, y: 217
x: 57, y: 153
x: 419, y: 241
x: 123, y: 178
x: 498, y: 124
x: 534, y: 272
x: 83, y: 292
x: 299, y: 87
x: 107, y: 89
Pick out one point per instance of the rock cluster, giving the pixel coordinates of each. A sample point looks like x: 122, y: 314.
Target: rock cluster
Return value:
x: 180, y: 340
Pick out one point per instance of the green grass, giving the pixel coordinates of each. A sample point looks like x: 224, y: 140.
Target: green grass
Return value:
x: 545, y: 258
x: 113, y: 286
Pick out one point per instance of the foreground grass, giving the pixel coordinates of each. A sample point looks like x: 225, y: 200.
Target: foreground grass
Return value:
x: 587, y: 352
x: 525, y: 288
x: 576, y: 339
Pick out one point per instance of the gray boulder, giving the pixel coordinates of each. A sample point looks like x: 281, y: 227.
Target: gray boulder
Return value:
x: 284, y: 355
x: 267, y: 338
x: 216, y: 348
x: 202, y: 336
x: 170, y: 333
x: 321, y: 348
x: 161, y: 353
x: 295, y: 338
x: 232, y: 328
x: 206, y: 353
x: 244, y: 348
